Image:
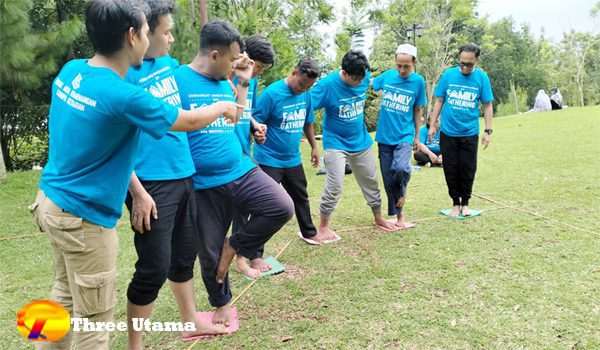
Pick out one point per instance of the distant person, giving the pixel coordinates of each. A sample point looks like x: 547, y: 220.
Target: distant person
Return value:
x: 556, y: 99
x: 542, y: 102
x: 428, y: 151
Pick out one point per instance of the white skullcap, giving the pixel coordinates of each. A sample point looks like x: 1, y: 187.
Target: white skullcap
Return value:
x: 407, y: 49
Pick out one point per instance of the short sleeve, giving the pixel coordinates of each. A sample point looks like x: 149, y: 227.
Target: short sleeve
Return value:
x: 310, y: 114
x: 378, y: 82
x: 487, y: 95
x: 442, y: 85
x: 262, y: 110
x: 150, y: 114
x: 318, y: 94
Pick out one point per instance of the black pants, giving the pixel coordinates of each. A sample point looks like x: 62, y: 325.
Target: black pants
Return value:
x: 294, y: 182
x: 255, y: 195
x: 169, y: 249
x: 460, y: 165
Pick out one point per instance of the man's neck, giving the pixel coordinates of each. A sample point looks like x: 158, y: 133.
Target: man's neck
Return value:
x: 201, y: 65
x: 117, y: 63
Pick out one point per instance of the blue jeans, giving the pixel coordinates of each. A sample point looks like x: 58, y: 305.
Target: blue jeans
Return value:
x: 394, y: 161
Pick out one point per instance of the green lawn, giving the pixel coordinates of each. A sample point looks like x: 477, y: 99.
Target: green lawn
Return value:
x: 505, y: 280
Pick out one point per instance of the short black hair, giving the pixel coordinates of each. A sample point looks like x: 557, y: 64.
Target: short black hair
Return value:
x: 218, y: 34
x: 355, y: 63
x: 159, y: 8
x: 260, y: 49
x: 309, y: 67
x: 470, y: 48
x: 106, y: 22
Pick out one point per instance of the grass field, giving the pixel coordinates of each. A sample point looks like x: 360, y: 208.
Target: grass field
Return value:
x: 524, y: 275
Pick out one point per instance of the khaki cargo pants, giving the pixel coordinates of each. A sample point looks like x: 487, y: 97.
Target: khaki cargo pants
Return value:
x: 85, y: 260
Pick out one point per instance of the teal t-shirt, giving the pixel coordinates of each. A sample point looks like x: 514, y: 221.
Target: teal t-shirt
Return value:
x: 462, y: 96
x: 400, y: 96
x: 344, y: 125
x: 285, y: 115
x: 216, y: 150
x: 168, y: 158
x: 434, y: 145
x: 94, y: 124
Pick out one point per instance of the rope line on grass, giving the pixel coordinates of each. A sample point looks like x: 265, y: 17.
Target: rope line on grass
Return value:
x: 21, y: 236
x: 533, y: 213
x: 247, y: 288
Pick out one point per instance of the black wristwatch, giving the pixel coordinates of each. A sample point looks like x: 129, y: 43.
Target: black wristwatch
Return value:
x: 244, y: 83
x: 488, y: 131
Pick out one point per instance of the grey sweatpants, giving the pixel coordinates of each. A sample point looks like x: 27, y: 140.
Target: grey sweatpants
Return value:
x: 364, y: 168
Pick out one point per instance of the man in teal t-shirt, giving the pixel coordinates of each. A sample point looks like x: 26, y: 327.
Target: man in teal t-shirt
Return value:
x: 428, y: 151
x: 226, y: 180
x: 342, y: 95
x: 285, y: 107
x: 460, y: 92
x: 95, y: 121
x: 403, y: 97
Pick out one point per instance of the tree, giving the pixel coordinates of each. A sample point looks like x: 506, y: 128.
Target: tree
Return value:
x: 33, y: 44
x: 447, y: 24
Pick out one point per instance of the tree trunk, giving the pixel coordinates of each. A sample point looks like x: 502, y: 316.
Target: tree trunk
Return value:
x: 2, y: 166
x: 203, y: 12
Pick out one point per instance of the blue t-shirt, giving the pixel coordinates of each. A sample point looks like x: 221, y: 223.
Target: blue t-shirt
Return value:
x: 216, y: 150
x: 399, y: 98
x: 434, y: 145
x: 344, y: 125
x: 243, y: 127
x: 462, y: 95
x: 285, y: 115
x: 94, y: 123
x: 168, y: 158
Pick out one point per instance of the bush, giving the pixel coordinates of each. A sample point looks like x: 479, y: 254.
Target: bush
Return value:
x: 24, y: 136
x: 509, y: 107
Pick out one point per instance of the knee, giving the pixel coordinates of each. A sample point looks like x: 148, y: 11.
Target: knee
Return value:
x: 286, y: 206
x: 144, y: 288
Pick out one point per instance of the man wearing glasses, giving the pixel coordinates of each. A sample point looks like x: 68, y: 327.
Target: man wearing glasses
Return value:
x: 459, y: 92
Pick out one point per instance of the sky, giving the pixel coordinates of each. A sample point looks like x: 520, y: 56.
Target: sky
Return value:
x: 550, y: 17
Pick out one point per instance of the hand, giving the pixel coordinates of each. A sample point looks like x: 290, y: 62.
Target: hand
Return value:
x: 229, y: 110
x: 431, y: 133
x: 433, y: 158
x: 260, y: 133
x: 243, y: 67
x: 143, y: 208
x: 485, y: 141
x: 416, y: 144
x: 314, y: 157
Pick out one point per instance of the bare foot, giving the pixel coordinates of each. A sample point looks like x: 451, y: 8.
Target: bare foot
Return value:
x: 203, y: 328
x: 455, y: 212
x: 324, y: 234
x: 227, y: 254
x: 402, y: 224
x: 466, y: 211
x: 242, y: 265
x: 260, y: 265
x: 222, y: 316
x: 385, y: 225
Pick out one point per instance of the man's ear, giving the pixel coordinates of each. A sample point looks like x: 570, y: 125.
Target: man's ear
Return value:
x: 131, y: 36
x: 214, y: 55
